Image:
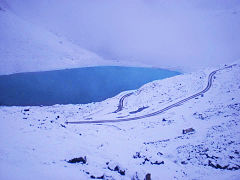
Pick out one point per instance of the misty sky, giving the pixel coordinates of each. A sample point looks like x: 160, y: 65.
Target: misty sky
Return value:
x: 188, y: 33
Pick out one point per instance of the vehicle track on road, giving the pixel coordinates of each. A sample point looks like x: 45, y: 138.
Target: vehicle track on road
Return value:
x: 209, y: 85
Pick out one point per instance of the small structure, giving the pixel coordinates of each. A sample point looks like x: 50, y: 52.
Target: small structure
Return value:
x: 185, y: 131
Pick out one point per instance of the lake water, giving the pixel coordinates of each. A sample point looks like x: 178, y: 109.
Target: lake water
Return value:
x: 75, y: 86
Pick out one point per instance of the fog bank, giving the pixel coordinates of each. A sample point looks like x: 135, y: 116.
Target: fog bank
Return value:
x: 184, y: 34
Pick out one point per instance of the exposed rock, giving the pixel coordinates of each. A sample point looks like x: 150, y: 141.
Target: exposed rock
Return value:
x: 81, y: 160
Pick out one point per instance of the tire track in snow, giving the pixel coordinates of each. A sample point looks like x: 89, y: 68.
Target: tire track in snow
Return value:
x: 120, y: 104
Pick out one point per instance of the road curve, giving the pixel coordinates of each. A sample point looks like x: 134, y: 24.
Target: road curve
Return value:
x: 210, y: 80
x: 120, y: 104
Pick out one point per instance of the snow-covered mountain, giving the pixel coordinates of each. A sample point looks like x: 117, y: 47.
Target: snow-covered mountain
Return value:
x: 25, y: 47
x: 37, y: 144
x: 185, y: 35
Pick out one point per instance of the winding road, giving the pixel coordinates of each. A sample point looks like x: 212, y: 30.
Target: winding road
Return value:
x: 120, y: 104
x: 209, y: 85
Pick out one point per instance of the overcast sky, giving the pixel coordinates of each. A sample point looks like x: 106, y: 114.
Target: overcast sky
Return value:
x: 188, y: 33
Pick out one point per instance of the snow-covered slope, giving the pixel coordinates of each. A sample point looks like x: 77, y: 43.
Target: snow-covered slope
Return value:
x: 25, y: 47
x: 36, y: 143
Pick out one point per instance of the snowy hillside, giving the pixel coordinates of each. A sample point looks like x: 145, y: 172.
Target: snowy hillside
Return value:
x: 37, y: 144
x: 25, y: 47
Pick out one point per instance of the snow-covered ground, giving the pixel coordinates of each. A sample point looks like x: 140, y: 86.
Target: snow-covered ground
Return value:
x: 37, y: 144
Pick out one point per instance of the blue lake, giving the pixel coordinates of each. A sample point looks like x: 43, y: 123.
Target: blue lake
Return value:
x: 75, y: 86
